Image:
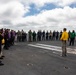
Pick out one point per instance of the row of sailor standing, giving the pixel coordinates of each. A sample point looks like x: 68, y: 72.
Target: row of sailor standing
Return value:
x: 39, y: 36
x: 9, y: 37
x: 42, y: 36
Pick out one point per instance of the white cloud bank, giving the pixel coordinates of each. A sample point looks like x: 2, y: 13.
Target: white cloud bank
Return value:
x: 12, y: 12
x: 40, y: 3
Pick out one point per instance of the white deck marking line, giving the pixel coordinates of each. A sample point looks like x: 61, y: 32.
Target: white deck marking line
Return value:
x: 69, y: 50
x: 51, y: 47
x: 48, y: 45
x: 44, y: 47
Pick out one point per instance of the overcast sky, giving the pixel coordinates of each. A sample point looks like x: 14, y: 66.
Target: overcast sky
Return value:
x: 38, y: 14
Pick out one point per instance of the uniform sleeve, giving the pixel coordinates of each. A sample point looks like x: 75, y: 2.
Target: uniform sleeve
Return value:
x: 62, y: 36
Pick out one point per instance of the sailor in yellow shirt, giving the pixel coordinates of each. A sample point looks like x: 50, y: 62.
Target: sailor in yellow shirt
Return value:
x: 64, y: 38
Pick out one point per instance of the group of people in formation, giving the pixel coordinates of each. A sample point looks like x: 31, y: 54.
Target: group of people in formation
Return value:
x: 10, y: 36
x: 37, y: 36
x: 32, y: 36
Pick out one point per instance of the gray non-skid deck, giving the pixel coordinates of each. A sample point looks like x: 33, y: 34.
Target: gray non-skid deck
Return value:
x: 22, y: 59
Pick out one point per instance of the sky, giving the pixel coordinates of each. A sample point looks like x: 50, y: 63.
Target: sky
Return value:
x: 38, y: 14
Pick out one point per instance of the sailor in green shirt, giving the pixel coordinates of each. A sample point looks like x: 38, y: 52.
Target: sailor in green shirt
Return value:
x: 72, y: 38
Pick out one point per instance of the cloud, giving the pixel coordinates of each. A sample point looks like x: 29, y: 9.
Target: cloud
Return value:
x: 11, y: 10
x: 40, y: 3
x: 52, y: 19
x: 64, y: 3
x: 12, y: 14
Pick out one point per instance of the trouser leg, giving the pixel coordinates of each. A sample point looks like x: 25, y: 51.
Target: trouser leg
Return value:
x: 72, y: 41
x: 64, y: 51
